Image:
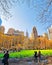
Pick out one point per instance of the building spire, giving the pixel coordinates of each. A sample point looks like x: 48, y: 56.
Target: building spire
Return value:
x: 27, y: 35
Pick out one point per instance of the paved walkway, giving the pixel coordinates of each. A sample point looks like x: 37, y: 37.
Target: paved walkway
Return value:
x: 15, y: 61
x: 24, y: 63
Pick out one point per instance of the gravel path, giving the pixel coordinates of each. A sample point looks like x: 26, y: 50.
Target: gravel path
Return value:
x: 47, y: 61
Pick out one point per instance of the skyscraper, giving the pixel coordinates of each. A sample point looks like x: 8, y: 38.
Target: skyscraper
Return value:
x: 34, y: 33
x: 50, y: 32
x: 27, y: 35
x: 45, y: 35
x: 17, y: 32
x: 2, y: 29
x: 11, y: 31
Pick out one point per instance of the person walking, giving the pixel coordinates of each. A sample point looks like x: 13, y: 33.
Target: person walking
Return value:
x: 35, y: 56
x: 5, y: 58
x: 39, y: 56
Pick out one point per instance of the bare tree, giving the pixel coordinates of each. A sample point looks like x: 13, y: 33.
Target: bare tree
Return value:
x: 5, y: 7
x: 46, y: 10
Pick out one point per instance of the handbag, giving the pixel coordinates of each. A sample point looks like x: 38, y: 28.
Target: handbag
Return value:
x: 3, y: 60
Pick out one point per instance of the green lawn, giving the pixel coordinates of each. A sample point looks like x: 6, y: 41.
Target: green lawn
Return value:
x: 27, y: 53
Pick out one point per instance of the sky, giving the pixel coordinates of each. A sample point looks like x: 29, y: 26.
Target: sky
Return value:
x: 25, y: 17
x: 0, y: 21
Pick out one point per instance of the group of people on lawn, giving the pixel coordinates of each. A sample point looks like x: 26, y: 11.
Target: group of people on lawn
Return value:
x: 37, y: 56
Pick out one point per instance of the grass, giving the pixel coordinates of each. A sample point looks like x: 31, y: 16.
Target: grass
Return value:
x: 27, y: 53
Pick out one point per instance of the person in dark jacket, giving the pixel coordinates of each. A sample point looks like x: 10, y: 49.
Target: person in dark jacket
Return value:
x: 39, y: 56
x: 35, y: 56
x: 6, y: 57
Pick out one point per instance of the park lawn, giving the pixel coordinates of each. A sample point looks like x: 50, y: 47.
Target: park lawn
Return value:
x: 27, y: 53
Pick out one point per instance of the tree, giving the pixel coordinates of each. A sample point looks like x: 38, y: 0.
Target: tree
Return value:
x: 46, y: 14
x: 5, y: 6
